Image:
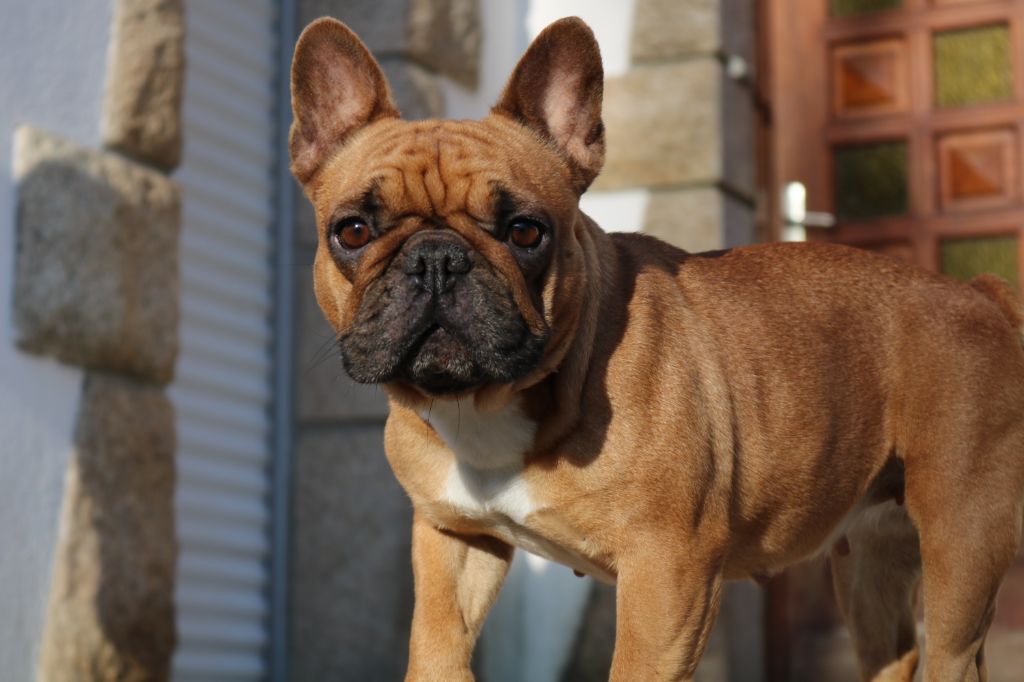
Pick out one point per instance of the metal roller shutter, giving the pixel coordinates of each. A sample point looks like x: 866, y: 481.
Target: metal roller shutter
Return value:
x: 222, y: 392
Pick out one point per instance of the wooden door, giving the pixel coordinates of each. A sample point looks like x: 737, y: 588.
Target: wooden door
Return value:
x: 905, y: 120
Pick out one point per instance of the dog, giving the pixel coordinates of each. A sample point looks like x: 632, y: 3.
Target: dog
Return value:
x: 659, y: 420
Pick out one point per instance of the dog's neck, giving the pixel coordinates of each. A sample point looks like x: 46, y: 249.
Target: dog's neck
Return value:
x: 564, y: 385
x: 482, y: 440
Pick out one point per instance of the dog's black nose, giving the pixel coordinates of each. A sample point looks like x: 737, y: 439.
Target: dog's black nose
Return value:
x: 434, y: 263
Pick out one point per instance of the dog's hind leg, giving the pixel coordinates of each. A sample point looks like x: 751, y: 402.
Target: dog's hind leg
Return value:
x: 968, y: 516
x: 875, y: 570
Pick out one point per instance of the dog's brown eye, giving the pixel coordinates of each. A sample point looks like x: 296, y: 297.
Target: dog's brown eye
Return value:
x: 352, y: 233
x: 525, y: 234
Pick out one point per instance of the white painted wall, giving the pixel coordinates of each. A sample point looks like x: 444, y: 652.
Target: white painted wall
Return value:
x: 530, y: 632
x: 51, y: 75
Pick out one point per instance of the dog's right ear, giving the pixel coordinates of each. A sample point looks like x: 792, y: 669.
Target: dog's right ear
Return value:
x: 556, y: 89
x: 337, y: 88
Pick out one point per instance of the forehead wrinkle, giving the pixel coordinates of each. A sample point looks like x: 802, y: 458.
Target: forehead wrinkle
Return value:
x: 433, y: 177
x: 439, y: 170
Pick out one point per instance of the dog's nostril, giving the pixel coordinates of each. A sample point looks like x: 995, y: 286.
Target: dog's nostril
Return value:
x: 458, y: 263
x: 414, y: 264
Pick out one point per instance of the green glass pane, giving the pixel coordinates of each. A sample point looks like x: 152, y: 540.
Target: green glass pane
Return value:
x: 966, y: 258
x: 972, y: 66
x: 871, y: 180
x: 849, y: 8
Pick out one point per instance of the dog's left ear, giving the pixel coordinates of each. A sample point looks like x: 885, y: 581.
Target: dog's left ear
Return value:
x: 337, y: 88
x: 556, y: 89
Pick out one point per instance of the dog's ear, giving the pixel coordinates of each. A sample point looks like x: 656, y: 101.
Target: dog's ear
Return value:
x: 337, y: 88
x: 556, y: 89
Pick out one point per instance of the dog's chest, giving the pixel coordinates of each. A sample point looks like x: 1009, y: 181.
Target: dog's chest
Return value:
x: 486, y: 484
x: 486, y: 480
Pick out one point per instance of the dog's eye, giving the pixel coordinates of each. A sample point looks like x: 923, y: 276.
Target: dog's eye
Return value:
x: 525, y: 234
x: 352, y: 233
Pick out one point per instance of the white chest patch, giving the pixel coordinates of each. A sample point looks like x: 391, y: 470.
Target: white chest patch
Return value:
x: 486, y: 480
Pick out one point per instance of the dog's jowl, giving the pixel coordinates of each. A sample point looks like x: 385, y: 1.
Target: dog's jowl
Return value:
x: 661, y: 420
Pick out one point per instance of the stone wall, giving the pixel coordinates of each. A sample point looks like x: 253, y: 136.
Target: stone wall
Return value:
x: 680, y: 122
x: 350, y: 576
x: 97, y: 286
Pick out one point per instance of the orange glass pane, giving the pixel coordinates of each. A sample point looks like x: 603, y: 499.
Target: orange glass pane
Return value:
x: 870, y: 78
x: 978, y: 170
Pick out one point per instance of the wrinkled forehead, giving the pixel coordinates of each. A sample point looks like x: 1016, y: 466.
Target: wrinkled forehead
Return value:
x: 436, y: 168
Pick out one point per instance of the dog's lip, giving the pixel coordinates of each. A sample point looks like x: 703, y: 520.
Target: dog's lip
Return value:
x: 440, y: 384
x: 421, y: 338
x: 449, y: 389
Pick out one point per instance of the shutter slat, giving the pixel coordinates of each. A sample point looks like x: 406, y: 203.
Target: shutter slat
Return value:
x: 255, y: 121
x: 204, y: 282
x: 221, y: 536
x: 212, y: 135
x: 222, y: 195
x: 203, y: 504
x: 210, y: 471
x: 222, y: 600
x: 245, y: 51
x: 227, y: 226
x: 221, y: 568
x: 221, y: 379
x: 199, y: 666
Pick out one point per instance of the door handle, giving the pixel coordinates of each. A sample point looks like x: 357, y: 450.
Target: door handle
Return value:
x: 796, y: 217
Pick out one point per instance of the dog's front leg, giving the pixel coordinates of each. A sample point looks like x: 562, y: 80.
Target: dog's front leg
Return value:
x: 457, y: 579
x: 665, y: 607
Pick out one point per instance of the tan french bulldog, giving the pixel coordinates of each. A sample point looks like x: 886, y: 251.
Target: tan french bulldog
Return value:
x: 657, y: 419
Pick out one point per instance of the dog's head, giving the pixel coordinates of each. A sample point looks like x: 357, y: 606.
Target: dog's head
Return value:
x: 449, y: 255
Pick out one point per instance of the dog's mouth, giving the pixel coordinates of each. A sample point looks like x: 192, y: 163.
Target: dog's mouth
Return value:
x: 439, y: 364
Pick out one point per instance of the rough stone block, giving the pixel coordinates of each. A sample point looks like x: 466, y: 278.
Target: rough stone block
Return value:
x: 692, y: 219
x: 668, y: 29
x: 443, y: 35
x: 111, y: 607
x: 323, y: 391
x: 145, y: 75
x: 350, y: 575
x: 663, y: 125
x: 97, y: 262
x: 417, y: 93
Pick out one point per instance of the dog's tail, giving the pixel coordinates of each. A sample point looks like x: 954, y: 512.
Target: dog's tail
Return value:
x: 1003, y: 295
